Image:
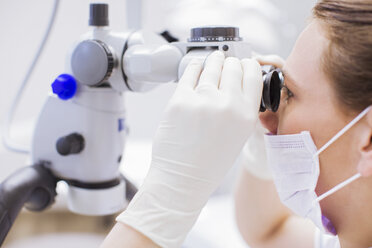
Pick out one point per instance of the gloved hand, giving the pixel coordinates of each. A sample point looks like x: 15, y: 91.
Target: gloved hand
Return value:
x: 253, y: 156
x: 205, y: 126
x: 271, y: 59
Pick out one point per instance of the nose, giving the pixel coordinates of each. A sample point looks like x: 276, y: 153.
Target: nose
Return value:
x: 269, y: 120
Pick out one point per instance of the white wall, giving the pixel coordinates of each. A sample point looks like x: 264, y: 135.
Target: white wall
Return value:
x: 23, y: 22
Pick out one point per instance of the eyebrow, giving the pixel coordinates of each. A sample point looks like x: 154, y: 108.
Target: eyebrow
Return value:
x: 289, y: 78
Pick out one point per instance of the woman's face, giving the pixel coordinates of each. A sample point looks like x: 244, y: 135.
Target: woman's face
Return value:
x: 311, y: 105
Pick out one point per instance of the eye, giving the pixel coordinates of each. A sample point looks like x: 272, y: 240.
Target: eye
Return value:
x: 288, y: 93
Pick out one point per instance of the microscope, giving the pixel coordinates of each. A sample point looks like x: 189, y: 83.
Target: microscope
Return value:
x: 80, y: 133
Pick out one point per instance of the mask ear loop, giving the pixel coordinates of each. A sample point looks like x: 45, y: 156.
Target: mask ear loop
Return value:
x: 346, y: 128
x: 338, y: 187
x: 357, y: 175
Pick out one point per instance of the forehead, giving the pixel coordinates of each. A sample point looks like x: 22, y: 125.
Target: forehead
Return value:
x: 304, y: 62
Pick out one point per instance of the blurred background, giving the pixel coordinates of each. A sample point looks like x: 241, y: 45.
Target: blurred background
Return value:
x: 270, y: 26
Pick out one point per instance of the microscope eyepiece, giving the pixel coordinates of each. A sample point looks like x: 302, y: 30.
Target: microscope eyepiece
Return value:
x: 272, y: 86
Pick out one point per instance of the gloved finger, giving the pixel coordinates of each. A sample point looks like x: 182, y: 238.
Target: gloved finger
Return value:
x: 211, y: 74
x: 274, y: 60
x: 232, y: 75
x: 191, y: 74
x: 252, y: 82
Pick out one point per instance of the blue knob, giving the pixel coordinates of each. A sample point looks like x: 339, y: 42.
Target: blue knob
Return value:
x: 64, y: 86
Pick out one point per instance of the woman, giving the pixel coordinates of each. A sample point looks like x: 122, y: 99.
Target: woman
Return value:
x: 328, y: 84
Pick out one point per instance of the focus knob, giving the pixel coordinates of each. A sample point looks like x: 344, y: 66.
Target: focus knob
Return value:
x: 98, y: 14
x: 92, y: 62
x: 70, y: 144
x: 214, y: 33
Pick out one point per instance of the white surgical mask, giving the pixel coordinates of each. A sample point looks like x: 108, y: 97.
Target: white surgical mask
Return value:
x: 294, y: 163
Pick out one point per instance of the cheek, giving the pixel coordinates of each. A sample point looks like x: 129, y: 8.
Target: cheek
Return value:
x: 292, y: 119
x: 296, y: 117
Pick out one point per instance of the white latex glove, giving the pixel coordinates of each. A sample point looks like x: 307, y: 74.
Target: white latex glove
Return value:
x: 202, y: 132
x: 272, y: 59
x: 253, y: 156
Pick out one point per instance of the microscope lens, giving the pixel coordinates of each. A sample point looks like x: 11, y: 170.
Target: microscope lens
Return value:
x: 273, y: 82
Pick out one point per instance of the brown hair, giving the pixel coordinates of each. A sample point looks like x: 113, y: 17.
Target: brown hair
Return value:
x: 348, y: 60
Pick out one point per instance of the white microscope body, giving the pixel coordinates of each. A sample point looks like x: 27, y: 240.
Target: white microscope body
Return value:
x: 97, y: 114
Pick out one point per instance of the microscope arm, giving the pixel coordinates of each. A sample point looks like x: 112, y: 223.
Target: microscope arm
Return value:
x: 151, y: 63
x: 32, y: 187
